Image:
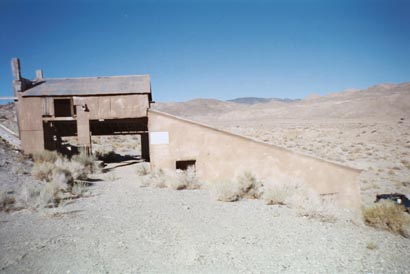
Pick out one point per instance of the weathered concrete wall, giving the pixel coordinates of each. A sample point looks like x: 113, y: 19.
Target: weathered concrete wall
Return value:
x: 117, y: 107
x: 31, y: 124
x: 221, y: 155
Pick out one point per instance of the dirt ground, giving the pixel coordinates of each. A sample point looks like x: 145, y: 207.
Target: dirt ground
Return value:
x: 121, y: 227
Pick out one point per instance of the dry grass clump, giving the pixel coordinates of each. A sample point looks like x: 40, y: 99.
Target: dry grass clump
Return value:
x: 46, y: 156
x: 142, y: 169
x: 7, y: 201
x: 43, y: 171
x: 276, y: 195
x: 284, y: 191
x: 62, y: 178
x: 154, y: 179
x: 48, y: 165
x: 389, y: 216
x: 89, y: 162
x: 174, y: 183
x: 188, y: 178
x: 181, y: 179
x: 244, y: 186
x: 249, y: 186
x: 299, y: 196
x: 225, y: 191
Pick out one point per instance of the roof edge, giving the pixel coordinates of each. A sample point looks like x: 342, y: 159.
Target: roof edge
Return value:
x: 97, y: 77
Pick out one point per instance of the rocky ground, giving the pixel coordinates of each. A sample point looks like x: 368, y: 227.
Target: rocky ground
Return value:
x: 121, y: 227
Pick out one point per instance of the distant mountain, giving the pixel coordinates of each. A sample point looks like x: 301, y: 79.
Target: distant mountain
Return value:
x: 258, y: 100
x: 383, y: 101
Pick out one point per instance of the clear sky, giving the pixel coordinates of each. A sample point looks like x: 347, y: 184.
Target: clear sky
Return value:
x: 211, y: 49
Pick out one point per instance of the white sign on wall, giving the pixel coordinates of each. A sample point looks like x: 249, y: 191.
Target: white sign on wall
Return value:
x: 159, y: 138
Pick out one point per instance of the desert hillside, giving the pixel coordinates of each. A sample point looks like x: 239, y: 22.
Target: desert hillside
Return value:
x: 384, y: 101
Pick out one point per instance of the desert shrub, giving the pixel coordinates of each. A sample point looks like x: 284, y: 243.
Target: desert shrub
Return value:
x: 50, y: 164
x: 89, y: 162
x: 244, y: 186
x: 225, y: 191
x: 142, y: 169
x: 283, y: 191
x: 154, y: 179
x: 188, y: 178
x: 7, y: 201
x: 43, y: 170
x: 174, y: 180
x: 79, y: 188
x: 28, y: 194
x: 46, y: 156
x: 299, y: 196
x: 75, y: 169
x: 175, y: 183
x: 309, y: 204
x: 249, y: 186
x: 51, y: 195
x: 276, y: 195
x: 60, y: 177
x: 389, y: 216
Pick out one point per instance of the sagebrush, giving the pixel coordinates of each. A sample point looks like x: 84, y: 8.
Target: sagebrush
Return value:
x: 62, y: 178
x: 389, y: 216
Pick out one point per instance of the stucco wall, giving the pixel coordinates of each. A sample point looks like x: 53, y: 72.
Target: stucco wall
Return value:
x: 221, y: 155
x: 31, y: 124
x: 116, y: 107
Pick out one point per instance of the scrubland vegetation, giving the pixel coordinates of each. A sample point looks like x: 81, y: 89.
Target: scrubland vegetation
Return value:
x: 388, y: 216
x: 181, y: 179
x: 284, y: 192
x: 287, y: 192
x: 58, y: 179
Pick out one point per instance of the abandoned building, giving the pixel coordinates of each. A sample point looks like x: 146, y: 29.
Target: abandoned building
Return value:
x: 49, y: 109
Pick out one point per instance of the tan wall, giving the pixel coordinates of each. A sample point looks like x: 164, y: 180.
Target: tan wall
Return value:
x: 30, y: 111
x: 116, y: 107
x: 32, y: 141
x: 221, y: 155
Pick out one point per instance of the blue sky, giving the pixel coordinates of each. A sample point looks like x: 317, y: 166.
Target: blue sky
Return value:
x: 211, y: 49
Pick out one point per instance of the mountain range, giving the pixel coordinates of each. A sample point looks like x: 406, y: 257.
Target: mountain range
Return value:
x: 383, y: 101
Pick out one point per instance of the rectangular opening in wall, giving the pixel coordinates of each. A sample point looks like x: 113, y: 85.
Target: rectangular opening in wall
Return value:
x: 183, y: 165
x: 62, y: 108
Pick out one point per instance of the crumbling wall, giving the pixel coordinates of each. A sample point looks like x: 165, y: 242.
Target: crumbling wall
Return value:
x: 222, y: 156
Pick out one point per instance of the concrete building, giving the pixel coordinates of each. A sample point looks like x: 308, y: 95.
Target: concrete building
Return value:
x: 49, y: 109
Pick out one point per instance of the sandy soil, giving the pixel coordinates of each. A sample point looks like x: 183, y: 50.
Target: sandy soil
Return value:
x: 121, y: 227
